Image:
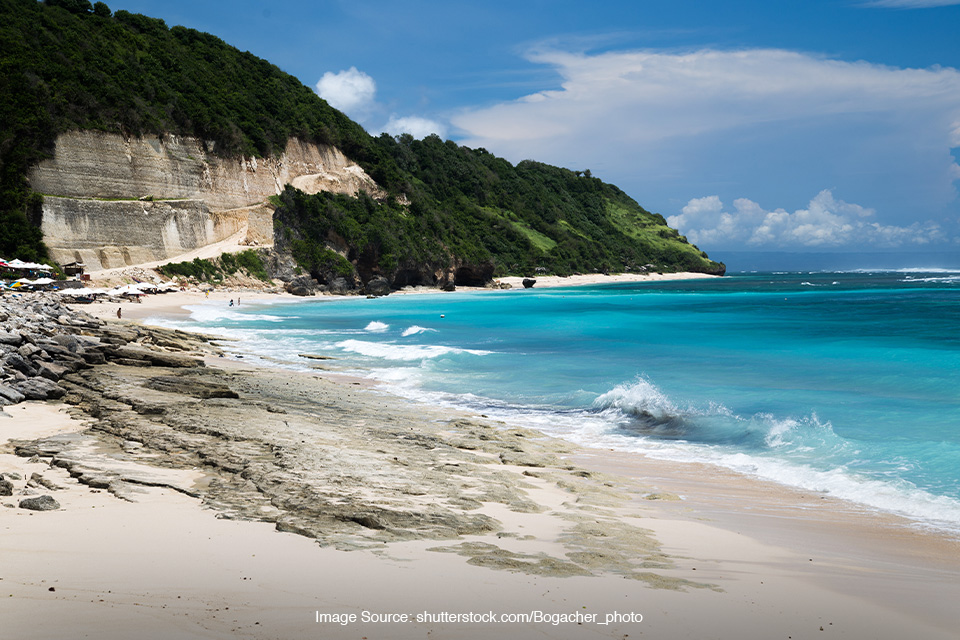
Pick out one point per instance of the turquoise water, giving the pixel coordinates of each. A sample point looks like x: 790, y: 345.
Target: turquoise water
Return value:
x: 845, y: 383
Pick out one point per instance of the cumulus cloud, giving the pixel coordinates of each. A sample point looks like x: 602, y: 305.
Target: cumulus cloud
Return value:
x: 652, y: 96
x: 351, y: 91
x: 762, y: 121
x: 417, y: 127
x: 826, y: 222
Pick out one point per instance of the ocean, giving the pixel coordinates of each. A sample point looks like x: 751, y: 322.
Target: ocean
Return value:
x: 846, y: 383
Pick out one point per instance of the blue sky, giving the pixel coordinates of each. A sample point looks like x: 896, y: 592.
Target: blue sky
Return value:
x: 794, y: 125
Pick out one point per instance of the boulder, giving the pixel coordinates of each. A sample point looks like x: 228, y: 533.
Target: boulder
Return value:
x: 378, y: 286
x: 40, y: 503
x: 13, y: 339
x: 302, y: 286
x: 10, y: 394
x: 16, y: 362
x: 528, y: 283
x: 51, y: 371
x: 39, y: 389
x: 6, y: 487
x: 68, y: 342
x: 339, y: 286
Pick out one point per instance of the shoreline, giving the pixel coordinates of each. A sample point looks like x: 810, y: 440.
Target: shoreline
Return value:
x: 735, y: 558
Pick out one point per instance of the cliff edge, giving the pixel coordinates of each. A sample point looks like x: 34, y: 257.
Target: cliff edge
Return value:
x: 112, y: 201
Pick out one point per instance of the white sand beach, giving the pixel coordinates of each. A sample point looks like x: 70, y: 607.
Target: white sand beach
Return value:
x: 742, y: 559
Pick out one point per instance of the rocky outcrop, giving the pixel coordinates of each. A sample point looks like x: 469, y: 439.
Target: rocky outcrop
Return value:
x: 113, y: 201
x: 45, y: 341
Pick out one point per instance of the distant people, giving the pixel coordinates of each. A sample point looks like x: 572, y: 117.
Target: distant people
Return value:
x: 231, y: 302
x: 119, y: 312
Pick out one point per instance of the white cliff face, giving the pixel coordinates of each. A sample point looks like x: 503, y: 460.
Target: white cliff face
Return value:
x: 199, y: 198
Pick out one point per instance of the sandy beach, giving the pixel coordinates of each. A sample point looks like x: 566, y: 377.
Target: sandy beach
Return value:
x: 306, y: 505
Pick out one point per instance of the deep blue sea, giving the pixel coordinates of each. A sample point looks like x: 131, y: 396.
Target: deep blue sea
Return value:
x: 845, y: 383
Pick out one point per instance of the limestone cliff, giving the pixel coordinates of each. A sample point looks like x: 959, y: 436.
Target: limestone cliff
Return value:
x: 112, y: 201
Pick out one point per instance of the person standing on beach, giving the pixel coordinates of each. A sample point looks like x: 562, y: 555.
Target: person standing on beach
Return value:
x: 119, y: 310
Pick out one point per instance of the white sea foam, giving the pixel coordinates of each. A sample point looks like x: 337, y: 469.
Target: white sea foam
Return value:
x: 640, y: 397
x: 376, y: 327
x: 414, y: 330
x: 944, y: 279
x: 390, y: 351
x: 215, y: 313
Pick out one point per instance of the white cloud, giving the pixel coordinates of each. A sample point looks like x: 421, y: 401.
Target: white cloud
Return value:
x: 417, y: 127
x: 826, y: 222
x: 350, y: 91
x: 764, y: 121
x: 653, y: 96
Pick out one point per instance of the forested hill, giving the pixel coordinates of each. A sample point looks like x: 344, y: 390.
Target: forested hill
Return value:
x: 70, y: 64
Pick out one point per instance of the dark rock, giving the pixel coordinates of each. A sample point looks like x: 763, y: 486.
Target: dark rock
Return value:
x: 528, y: 283
x: 448, y: 286
x: 68, y: 342
x: 302, y: 286
x: 6, y: 487
x: 13, y: 339
x: 10, y: 394
x: 378, y: 286
x: 51, y: 371
x: 39, y: 389
x: 94, y: 356
x: 40, y: 503
x: 339, y: 286
x: 16, y: 362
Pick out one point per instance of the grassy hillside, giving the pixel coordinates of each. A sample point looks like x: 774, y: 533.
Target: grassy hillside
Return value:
x: 70, y: 64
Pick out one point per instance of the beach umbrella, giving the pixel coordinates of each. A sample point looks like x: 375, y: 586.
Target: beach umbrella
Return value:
x: 43, y: 281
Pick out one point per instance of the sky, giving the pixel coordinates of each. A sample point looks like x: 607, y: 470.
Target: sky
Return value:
x: 779, y: 125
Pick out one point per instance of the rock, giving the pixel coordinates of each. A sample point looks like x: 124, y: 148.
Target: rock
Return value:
x: 16, y: 362
x: 302, y: 286
x: 448, y: 286
x: 378, y: 286
x: 528, y: 283
x: 10, y: 394
x: 13, y: 339
x: 190, y: 387
x: 28, y: 351
x: 138, y: 355
x: 40, y: 503
x: 339, y: 286
x: 51, y: 371
x: 6, y: 487
x: 68, y: 342
x: 39, y: 389
x: 38, y: 480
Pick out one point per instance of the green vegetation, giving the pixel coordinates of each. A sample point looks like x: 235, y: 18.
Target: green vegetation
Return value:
x: 70, y: 64
x: 67, y: 64
x: 217, y: 269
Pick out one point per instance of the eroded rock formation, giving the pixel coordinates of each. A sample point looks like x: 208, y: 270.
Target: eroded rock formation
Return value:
x: 112, y: 201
